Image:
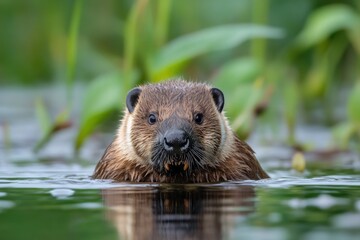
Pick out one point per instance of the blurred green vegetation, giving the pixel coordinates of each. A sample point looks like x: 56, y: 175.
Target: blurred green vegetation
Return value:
x: 274, y: 59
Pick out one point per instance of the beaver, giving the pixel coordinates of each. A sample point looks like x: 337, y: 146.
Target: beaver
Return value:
x: 176, y: 132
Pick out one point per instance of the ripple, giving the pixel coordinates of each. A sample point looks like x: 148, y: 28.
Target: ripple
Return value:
x: 330, y: 180
x: 84, y: 182
x: 75, y: 176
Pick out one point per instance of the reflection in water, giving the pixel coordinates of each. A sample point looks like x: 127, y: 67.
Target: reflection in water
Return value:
x: 177, y: 212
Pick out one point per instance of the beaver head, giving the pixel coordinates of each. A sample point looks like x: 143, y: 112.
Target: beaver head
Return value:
x: 176, y: 126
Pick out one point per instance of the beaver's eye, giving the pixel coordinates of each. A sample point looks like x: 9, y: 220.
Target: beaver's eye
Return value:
x: 199, y: 118
x: 152, y: 119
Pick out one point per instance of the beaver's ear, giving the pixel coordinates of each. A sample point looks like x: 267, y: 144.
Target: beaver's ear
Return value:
x: 218, y: 97
x: 132, y: 99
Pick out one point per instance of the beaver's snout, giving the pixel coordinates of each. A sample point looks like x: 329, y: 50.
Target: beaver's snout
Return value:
x: 173, y: 151
x: 176, y: 141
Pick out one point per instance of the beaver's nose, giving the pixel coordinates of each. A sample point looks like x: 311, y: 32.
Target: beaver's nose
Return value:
x: 176, y: 141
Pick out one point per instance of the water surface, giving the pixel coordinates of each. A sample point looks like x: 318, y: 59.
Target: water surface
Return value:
x: 62, y: 202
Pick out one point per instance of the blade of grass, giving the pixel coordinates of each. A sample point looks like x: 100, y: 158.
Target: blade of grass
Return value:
x: 130, y: 40
x: 42, y: 115
x: 162, y: 22
x: 72, y: 47
x: 260, y: 13
x: 61, y: 122
x: 291, y: 104
x: 353, y: 105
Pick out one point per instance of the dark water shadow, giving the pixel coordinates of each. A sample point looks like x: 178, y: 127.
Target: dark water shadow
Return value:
x: 177, y: 212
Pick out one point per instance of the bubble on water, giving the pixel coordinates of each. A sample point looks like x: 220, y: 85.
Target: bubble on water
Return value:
x: 347, y: 220
x: 89, y: 205
x: 62, y: 193
x: 6, y: 204
x: 3, y: 194
x: 323, y: 201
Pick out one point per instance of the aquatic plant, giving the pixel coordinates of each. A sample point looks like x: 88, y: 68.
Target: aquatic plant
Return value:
x: 289, y: 73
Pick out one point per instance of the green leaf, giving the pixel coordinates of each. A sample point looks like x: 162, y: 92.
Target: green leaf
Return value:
x: 291, y: 102
x: 42, y: 115
x: 103, y: 95
x: 326, y: 21
x: 239, y: 82
x: 317, y: 79
x: 239, y: 71
x: 342, y: 133
x: 242, y: 103
x: 353, y: 105
x: 218, y: 38
x: 49, y: 126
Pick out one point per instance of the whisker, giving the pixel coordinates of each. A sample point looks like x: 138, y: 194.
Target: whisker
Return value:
x: 197, y: 157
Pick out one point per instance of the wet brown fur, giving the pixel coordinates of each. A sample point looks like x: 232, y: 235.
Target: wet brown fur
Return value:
x: 128, y: 157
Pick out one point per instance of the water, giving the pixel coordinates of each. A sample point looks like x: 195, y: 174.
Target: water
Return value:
x: 51, y: 195
x: 62, y: 202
